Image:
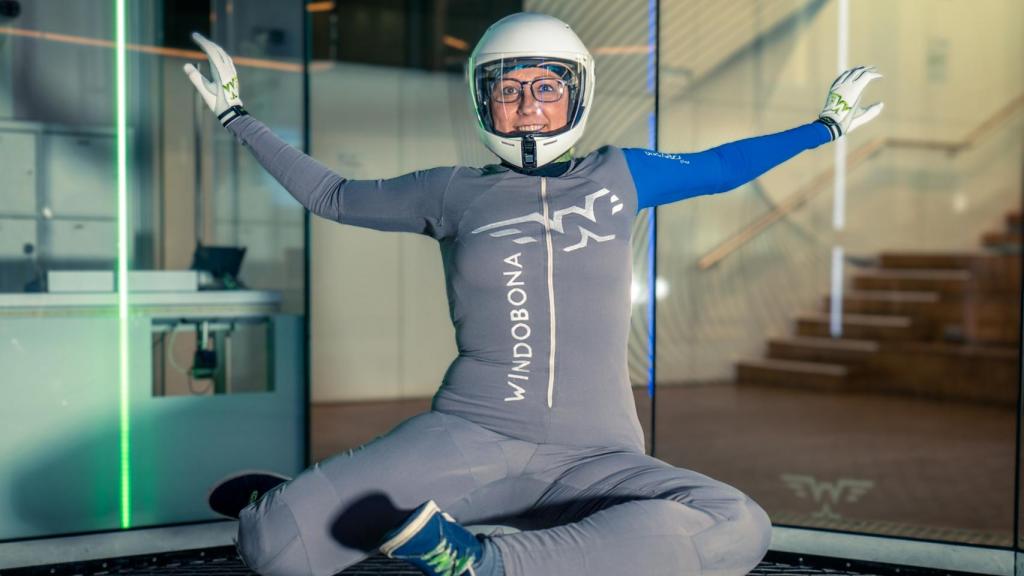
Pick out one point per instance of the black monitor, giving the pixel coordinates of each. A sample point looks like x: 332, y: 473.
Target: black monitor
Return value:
x: 222, y: 262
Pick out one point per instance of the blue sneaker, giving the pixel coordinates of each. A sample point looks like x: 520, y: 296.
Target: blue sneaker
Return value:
x: 432, y: 541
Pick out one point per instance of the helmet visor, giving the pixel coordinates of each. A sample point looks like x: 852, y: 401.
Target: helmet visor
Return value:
x: 534, y: 95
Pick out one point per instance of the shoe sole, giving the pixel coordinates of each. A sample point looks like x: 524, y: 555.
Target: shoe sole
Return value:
x: 414, y: 525
x: 236, y: 476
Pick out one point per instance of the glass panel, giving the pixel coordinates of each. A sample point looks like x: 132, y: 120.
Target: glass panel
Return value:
x: 116, y: 398
x: 58, y: 212
x: 219, y: 261
x: 620, y: 36
x: 382, y: 338
x: 382, y: 120
x: 859, y: 377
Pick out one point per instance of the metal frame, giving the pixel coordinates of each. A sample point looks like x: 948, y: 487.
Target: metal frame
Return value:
x: 22, y: 553
x: 890, y: 550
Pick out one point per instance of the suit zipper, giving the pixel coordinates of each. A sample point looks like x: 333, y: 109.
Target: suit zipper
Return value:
x: 551, y: 291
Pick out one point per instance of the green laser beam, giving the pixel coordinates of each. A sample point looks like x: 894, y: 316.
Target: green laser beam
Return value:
x: 122, y: 265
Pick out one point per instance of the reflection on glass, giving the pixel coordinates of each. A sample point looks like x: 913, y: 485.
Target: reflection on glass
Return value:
x: 863, y: 379
x: 620, y: 36
x: 58, y: 210
x: 215, y: 263
x: 211, y: 357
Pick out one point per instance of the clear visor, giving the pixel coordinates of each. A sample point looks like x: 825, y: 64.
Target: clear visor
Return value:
x: 520, y: 96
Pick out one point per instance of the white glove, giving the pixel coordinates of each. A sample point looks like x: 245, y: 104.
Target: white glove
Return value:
x: 841, y: 114
x: 221, y: 95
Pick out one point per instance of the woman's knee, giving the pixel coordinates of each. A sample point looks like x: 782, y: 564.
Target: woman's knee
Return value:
x: 727, y: 535
x: 740, y: 538
x: 269, y: 541
x: 755, y: 523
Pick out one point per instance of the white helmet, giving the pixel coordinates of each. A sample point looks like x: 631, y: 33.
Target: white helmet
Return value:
x: 521, y: 41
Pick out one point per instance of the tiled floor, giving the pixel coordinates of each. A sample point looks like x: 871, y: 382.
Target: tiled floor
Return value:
x: 863, y: 463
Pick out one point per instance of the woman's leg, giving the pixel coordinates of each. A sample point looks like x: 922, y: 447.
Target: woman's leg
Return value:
x: 335, y: 513
x: 628, y: 513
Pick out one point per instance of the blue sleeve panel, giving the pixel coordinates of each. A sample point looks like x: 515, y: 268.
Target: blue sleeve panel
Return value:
x: 662, y: 178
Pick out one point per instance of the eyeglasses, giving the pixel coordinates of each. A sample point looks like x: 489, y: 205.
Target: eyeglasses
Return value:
x: 545, y: 90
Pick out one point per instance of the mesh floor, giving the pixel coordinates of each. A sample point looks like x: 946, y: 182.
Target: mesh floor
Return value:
x: 225, y: 561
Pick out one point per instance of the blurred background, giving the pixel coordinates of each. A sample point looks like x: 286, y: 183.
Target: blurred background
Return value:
x: 840, y: 339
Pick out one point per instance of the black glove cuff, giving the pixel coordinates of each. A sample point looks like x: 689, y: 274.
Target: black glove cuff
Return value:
x: 833, y: 127
x: 231, y: 114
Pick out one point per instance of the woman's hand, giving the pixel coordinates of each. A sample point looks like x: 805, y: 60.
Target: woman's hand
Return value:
x: 841, y: 113
x: 221, y: 94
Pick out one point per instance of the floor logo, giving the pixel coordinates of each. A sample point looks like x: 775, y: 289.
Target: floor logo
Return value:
x: 827, y: 494
x: 507, y: 227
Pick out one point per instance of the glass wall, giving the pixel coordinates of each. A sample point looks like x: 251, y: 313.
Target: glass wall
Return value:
x: 151, y: 303
x: 840, y: 338
x: 382, y: 337
x: 620, y: 35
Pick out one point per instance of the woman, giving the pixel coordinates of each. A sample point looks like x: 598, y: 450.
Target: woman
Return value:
x: 534, y: 424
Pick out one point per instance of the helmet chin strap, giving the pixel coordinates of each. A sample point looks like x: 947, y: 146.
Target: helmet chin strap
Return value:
x: 529, y: 149
x: 555, y: 168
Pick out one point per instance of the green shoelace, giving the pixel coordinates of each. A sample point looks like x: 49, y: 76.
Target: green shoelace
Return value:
x: 446, y: 561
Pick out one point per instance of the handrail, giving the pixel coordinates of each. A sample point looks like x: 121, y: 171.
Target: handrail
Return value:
x: 195, y: 55
x: 790, y: 204
x: 853, y: 160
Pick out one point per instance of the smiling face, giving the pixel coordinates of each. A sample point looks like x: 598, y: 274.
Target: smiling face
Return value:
x: 526, y: 114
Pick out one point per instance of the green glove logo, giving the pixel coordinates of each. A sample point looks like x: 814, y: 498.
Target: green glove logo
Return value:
x: 231, y: 87
x: 836, y: 103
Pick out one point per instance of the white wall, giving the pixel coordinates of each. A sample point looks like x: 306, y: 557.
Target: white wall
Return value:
x: 380, y: 326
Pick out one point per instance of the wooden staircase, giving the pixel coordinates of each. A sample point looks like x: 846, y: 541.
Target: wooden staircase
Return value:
x: 938, y: 325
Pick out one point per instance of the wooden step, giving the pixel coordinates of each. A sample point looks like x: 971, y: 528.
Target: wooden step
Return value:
x: 1002, y: 238
x: 885, y: 301
x: 934, y: 316
x: 997, y: 272
x: 888, y: 302
x: 987, y: 374
x: 994, y: 319
x: 859, y: 326
x: 843, y: 351
x: 992, y: 271
x: 914, y: 280
x: 794, y: 374
x: 928, y: 260
x: 997, y: 353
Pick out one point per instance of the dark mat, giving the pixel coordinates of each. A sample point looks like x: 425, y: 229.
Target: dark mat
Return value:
x: 224, y: 561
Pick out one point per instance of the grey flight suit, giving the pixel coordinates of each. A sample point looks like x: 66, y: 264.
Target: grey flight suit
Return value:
x: 534, y: 424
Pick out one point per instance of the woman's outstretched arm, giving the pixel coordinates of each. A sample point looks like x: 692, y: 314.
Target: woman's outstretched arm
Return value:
x: 410, y: 203
x: 663, y: 178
